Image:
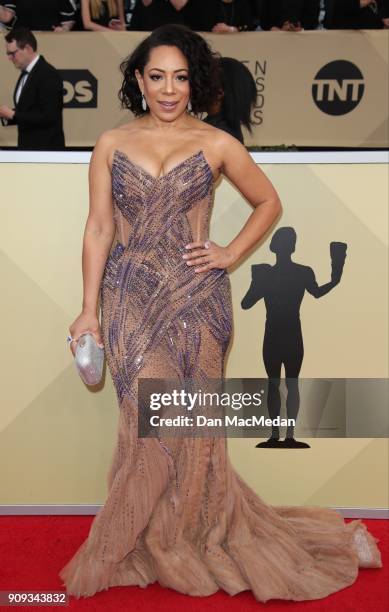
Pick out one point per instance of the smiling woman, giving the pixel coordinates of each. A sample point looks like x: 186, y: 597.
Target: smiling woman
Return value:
x: 196, y: 68
x: 177, y: 512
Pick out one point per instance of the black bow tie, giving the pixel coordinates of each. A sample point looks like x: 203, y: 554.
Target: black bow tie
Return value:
x: 24, y: 72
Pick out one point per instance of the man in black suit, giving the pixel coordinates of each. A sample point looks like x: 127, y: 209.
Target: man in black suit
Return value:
x: 38, y: 96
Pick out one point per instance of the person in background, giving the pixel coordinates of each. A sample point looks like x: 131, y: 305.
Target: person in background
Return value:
x: 129, y: 7
x: 385, y: 18
x: 38, y: 96
x: 322, y: 15
x: 290, y: 15
x: 256, y: 9
x: 44, y: 15
x: 301, y: 15
x: 223, y: 16
x: 78, y: 25
x: 356, y: 14
x: 150, y: 14
x: 233, y: 106
x: 7, y: 16
x: 103, y: 15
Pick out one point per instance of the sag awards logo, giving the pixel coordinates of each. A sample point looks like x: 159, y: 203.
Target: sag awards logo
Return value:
x: 79, y: 89
x: 258, y: 69
x: 338, y: 87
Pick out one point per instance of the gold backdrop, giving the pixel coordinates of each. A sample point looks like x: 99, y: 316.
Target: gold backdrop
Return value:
x: 57, y: 437
x: 285, y: 67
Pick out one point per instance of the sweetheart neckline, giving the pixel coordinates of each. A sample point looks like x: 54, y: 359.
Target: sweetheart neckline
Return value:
x: 163, y: 176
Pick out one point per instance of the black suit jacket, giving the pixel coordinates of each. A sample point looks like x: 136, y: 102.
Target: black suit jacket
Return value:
x: 214, y: 12
x: 276, y: 12
x: 38, y: 113
x: 347, y: 14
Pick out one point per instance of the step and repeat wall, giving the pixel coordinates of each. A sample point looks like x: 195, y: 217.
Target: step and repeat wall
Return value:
x: 57, y: 436
x: 324, y: 88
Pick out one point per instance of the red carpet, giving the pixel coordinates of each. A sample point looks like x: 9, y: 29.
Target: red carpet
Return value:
x: 34, y: 548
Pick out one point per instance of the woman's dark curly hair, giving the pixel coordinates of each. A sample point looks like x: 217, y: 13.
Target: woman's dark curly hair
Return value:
x: 203, y: 66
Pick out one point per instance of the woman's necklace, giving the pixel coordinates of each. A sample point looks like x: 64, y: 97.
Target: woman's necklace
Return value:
x: 232, y: 11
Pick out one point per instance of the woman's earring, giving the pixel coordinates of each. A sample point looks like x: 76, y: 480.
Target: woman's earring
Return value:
x: 189, y: 106
x: 144, y: 103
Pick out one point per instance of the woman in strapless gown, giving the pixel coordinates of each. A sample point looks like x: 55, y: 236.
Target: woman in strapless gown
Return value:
x: 177, y: 512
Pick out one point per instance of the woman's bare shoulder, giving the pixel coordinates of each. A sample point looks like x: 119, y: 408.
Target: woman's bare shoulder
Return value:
x: 221, y: 138
x: 109, y: 140
x: 217, y: 142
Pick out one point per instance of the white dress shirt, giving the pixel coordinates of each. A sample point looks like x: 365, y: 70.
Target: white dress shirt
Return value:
x: 25, y: 77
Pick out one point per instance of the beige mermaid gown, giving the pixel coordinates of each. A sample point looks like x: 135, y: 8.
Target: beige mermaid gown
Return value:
x: 177, y: 512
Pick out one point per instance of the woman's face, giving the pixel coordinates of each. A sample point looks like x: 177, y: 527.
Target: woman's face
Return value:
x: 165, y: 82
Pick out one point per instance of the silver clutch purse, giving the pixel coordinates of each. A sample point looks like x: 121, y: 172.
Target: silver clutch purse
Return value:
x: 89, y: 359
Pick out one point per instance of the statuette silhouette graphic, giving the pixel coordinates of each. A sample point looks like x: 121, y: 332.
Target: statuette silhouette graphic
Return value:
x: 282, y: 287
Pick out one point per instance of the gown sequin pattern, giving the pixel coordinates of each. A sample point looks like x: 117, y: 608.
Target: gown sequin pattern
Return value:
x: 177, y: 511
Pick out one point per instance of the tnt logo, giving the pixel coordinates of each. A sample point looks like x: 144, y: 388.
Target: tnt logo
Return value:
x: 80, y: 89
x: 338, y: 88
